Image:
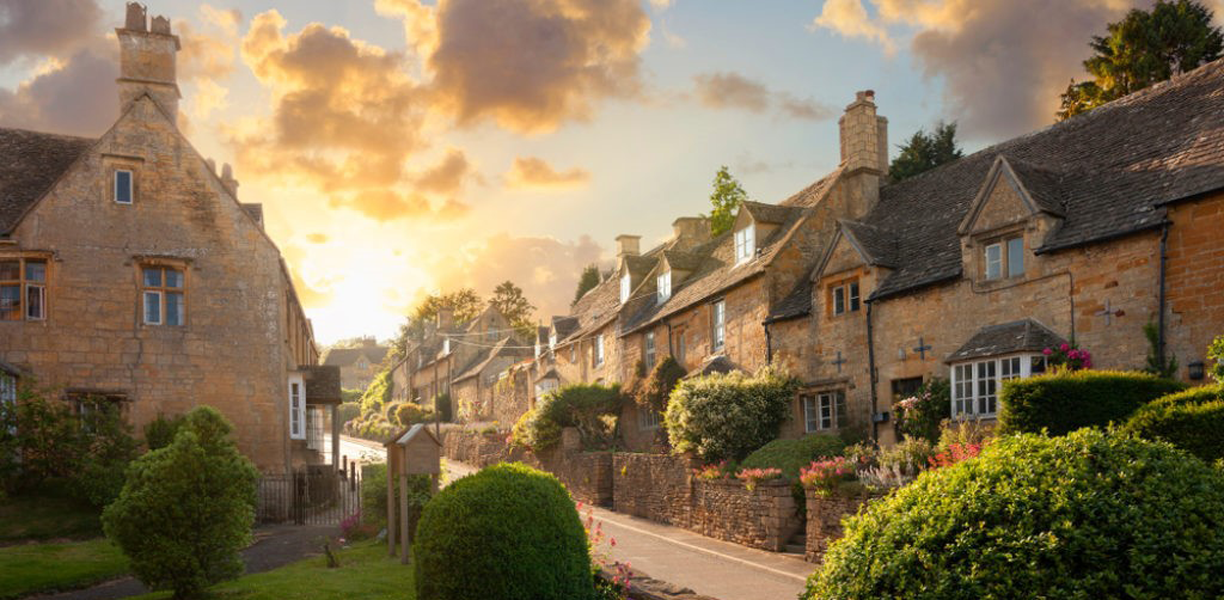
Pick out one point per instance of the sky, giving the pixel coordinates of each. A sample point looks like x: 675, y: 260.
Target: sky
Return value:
x: 405, y: 147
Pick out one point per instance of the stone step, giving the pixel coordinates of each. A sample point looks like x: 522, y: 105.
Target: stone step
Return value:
x: 799, y: 549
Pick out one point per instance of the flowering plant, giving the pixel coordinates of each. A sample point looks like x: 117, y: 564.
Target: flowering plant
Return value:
x: 824, y: 475
x: 751, y: 477
x: 919, y: 416
x: 719, y: 470
x: 617, y: 586
x: 954, y: 454
x: 1068, y: 356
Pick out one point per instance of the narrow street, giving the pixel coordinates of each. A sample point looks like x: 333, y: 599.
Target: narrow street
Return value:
x: 715, y: 568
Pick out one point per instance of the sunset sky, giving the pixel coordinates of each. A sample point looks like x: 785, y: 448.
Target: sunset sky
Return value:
x: 403, y: 147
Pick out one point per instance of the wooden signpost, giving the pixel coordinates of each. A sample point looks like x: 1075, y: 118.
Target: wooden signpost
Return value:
x: 416, y: 451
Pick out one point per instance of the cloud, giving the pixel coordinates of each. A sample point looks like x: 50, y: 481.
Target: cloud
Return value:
x: 317, y: 238
x: 850, y: 19
x: 527, y: 65
x: 448, y: 176
x: 729, y: 90
x: 661, y: 5
x: 39, y: 28
x: 76, y: 97
x: 534, y: 173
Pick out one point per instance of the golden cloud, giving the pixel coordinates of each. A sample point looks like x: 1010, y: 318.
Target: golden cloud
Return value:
x: 534, y: 173
x: 448, y: 176
x: 43, y: 28
x: 317, y: 238
x: 730, y: 90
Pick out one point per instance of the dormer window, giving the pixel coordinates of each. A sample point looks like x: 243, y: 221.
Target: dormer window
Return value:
x: 664, y: 284
x: 1004, y: 257
x: 625, y: 288
x: 552, y: 341
x: 123, y: 186
x: 745, y: 244
x: 845, y: 297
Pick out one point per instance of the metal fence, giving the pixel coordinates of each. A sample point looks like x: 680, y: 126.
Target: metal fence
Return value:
x: 314, y: 495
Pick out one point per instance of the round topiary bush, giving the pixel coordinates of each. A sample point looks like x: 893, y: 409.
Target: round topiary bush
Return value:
x: 725, y: 416
x: 509, y: 532
x: 1192, y: 420
x: 1091, y: 515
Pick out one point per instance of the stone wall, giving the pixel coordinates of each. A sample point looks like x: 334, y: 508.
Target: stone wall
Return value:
x: 1195, y: 284
x: 824, y: 520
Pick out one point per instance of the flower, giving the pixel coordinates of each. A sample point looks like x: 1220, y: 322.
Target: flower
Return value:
x: 1047, y: 352
x: 1064, y: 347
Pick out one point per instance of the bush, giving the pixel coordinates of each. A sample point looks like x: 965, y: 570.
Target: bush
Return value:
x: 792, y: 455
x: 444, y: 407
x: 409, y: 414
x: 106, y: 449
x: 1065, y: 401
x: 590, y: 407
x: 374, y: 493
x: 160, y: 432
x: 728, y: 415
x: 187, y: 509
x: 921, y: 416
x: 509, y: 529
x: 348, y: 411
x: 379, y: 394
x: 1192, y: 420
x: 655, y: 389
x: 1090, y: 515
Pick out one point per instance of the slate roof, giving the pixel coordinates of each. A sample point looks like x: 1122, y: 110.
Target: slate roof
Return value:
x: 767, y: 213
x: 343, y: 357
x: 30, y: 162
x: 1109, y: 170
x: 1025, y: 335
x: 797, y: 303
x: 682, y: 261
x: 323, y: 384
x: 877, y: 243
x: 564, y: 326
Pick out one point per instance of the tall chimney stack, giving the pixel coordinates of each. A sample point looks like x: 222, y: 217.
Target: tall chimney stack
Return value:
x: 627, y: 245
x: 864, y: 147
x: 690, y: 232
x: 147, y: 61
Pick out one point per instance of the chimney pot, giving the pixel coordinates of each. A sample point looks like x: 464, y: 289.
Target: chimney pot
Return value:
x: 627, y: 245
x: 135, y: 20
x: 690, y: 231
x: 160, y: 25
x: 147, y: 61
x: 228, y: 181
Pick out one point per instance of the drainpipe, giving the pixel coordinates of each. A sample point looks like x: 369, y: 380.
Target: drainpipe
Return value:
x: 671, y: 348
x: 1160, y: 333
x: 871, y: 376
x: 768, y: 343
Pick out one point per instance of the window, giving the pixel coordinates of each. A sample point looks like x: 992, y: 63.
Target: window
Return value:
x: 976, y: 384
x: 664, y: 284
x: 1015, y: 257
x: 719, y: 335
x: 994, y: 261
x: 297, y: 409
x: 164, y: 303
x: 599, y: 350
x: 123, y: 186
x: 552, y: 341
x: 624, y: 288
x: 823, y: 411
x: 846, y: 298
x: 648, y: 350
x: 680, y: 347
x: 854, y: 295
x: 96, y: 408
x: 839, y: 300
x: 906, y: 388
x: 745, y: 244
x: 316, y: 420
x: 648, y: 418
x: 23, y: 289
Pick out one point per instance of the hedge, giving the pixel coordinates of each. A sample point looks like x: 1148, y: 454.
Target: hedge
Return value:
x: 1093, y: 514
x: 1065, y: 401
x: 508, y: 532
x: 1192, y: 420
x: 590, y: 407
x: 792, y: 455
x: 725, y: 416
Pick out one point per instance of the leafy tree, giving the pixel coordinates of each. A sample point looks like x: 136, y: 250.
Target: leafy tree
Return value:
x: 1144, y: 48
x: 186, y: 510
x: 586, y: 282
x: 464, y: 303
x: 924, y: 152
x: 726, y: 198
x: 509, y: 300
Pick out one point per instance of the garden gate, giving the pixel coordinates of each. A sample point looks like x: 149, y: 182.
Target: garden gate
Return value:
x: 313, y: 495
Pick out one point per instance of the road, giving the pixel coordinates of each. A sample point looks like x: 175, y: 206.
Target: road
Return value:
x: 720, y: 569
x: 358, y: 450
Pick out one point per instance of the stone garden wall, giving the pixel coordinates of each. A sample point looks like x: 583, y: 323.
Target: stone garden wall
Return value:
x: 824, y: 520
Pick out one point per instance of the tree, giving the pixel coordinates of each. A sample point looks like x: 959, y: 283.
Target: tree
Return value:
x: 465, y: 304
x: 508, y: 299
x: 924, y: 152
x: 186, y: 510
x: 1142, y: 49
x: 586, y: 282
x: 726, y: 198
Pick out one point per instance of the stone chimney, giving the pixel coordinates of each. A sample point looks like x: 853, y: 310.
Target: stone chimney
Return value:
x: 446, y: 318
x: 147, y: 61
x: 227, y: 180
x: 627, y: 245
x: 864, y: 147
x: 690, y: 232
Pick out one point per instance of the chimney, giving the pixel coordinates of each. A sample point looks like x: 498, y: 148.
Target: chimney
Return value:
x: 864, y: 146
x: 627, y: 245
x: 690, y: 232
x: 147, y: 61
x: 227, y: 180
x: 446, y: 318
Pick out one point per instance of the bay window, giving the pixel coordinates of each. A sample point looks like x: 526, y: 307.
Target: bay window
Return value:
x: 976, y: 383
x: 23, y: 289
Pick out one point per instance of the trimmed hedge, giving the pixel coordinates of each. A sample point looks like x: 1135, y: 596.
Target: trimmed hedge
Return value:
x: 1065, y: 401
x: 1192, y: 420
x: 508, y: 532
x: 590, y: 407
x: 1093, y: 514
x: 792, y: 455
x: 725, y: 416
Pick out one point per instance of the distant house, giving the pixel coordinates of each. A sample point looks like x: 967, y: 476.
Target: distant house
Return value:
x: 131, y: 274
x: 358, y: 365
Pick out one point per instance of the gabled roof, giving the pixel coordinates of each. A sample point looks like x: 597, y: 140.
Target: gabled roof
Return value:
x: 639, y: 266
x: 1109, y: 171
x: 343, y: 357
x: 564, y: 326
x: 768, y: 213
x: 30, y: 162
x: 878, y: 246
x: 1025, y: 335
x: 682, y: 261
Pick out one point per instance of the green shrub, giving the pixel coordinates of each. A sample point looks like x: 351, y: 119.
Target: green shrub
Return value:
x: 378, y: 394
x: 509, y: 532
x: 590, y: 407
x: 374, y: 493
x: 792, y: 455
x: 187, y: 509
x: 1093, y: 514
x: 408, y: 414
x: 728, y: 415
x: 654, y: 390
x: 1192, y: 420
x: 444, y: 407
x: 1063, y: 402
x: 921, y: 416
x: 160, y: 432
x: 106, y: 449
x: 1215, y: 357
x: 348, y: 411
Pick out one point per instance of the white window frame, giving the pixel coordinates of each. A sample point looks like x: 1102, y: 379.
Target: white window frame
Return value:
x: 297, y: 407
x: 145, y: 307
x: 745, y: 244
x: 996, y: 263
x: 1013, y: 269
x: 853, y: 301
x: 599, y: 350
x: 648, y: 349
x: 718, y: 339
x: 625, y: 282
x: 976, y: 383
x: 823, y: 411
x: 664, y: 284
x: 131, y: 191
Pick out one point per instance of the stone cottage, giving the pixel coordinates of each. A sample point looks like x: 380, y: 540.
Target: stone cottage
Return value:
x: 131, y: 274
x: 358, y: 365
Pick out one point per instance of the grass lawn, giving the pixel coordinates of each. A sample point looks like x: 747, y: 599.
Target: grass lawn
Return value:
x: 366, y: 572
x: 44, y: 517
x: 29, y: 568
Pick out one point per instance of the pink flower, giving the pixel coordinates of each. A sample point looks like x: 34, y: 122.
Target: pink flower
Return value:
x: 1073, y: 354
x: 1064, y: 347
x: 1047, y: 352
x: 612, y: 541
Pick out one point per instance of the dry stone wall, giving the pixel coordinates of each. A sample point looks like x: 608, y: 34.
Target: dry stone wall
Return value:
x: 824, y: 520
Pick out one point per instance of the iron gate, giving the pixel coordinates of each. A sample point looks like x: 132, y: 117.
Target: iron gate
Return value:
x: 314, y: 495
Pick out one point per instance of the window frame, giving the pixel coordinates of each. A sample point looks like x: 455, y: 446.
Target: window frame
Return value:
x: 599, y: 350
x: 626, y: 283
x: 163, y: 291
x: 1012, y: 273
x: 844, y: 297
x: 823, y: 411
x: 987, y: 262
x: 745, y: 244
x: 664, y: 284
x: 839, y: 300
x: 718, y: 318
x: 131, y: 186
x: 649, y: 418
x: 26, y: 284
x: 297, y: 407
x: 649, y: 351
x: 976, y: 383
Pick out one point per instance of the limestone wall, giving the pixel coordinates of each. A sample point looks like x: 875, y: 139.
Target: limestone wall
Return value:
x: 824, y: 521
